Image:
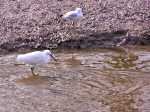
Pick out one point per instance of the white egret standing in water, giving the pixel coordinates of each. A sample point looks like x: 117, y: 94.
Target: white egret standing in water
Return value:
x: 73, y: 15
x: 36, y: 58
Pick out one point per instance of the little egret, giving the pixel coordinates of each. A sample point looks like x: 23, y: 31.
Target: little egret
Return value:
x: 73, y: 15
x: 36, y: 58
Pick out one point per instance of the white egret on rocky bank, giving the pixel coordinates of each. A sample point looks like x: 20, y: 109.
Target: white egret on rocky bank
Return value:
x: 73, y: 15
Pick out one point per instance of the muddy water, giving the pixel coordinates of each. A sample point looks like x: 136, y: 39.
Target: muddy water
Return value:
x: 89, y: 80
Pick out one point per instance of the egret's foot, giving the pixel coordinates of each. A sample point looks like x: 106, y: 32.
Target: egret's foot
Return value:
x: 35, y: 74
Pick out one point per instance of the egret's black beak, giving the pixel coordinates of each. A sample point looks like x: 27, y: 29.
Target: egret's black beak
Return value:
x: 51, y: 55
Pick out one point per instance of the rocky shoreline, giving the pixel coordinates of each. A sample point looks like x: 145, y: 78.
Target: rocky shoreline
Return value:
x: 38, y: 24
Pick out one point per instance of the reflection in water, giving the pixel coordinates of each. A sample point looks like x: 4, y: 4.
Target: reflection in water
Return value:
x: 70, y: 63
x: 123, y: 61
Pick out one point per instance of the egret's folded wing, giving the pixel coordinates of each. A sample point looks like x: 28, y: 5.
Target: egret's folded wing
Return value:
x: 70, y: 15
x: 31, y: 58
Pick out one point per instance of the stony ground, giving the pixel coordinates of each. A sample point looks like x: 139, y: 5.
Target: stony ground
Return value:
x: 38, y: 23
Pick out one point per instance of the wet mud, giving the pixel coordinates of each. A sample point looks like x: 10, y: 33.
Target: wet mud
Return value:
x: 91, y: 80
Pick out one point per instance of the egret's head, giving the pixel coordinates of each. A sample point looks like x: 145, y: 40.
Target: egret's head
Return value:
x: 49, y: 53
x: 78, y: 9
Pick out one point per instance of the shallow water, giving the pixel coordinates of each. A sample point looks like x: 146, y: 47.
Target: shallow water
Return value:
x: 91, y: 80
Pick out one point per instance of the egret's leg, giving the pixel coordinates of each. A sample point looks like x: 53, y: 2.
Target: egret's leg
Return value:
x: 78, y: 24
x: 32, y: 70
x: 72, y: 24
x: 72, y: 32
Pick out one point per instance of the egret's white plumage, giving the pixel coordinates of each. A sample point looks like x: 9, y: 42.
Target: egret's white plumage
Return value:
x: 73, y: 15
x: 36, y: 58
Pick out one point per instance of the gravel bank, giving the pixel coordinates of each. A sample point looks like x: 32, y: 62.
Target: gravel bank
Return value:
x: 37, y: 24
